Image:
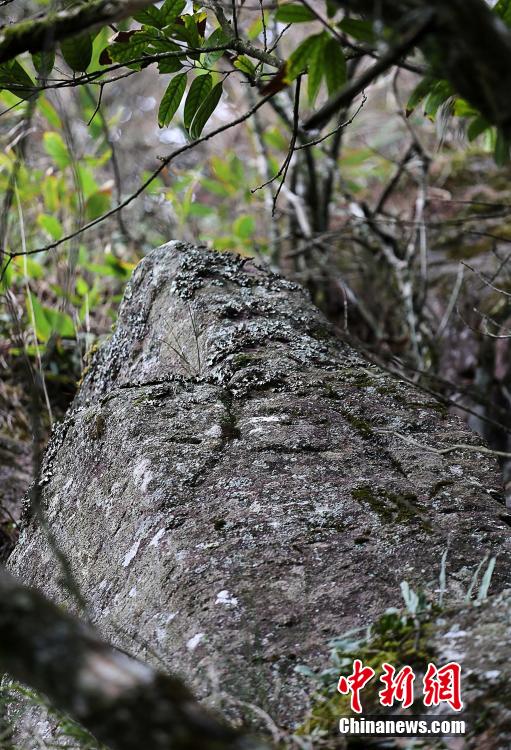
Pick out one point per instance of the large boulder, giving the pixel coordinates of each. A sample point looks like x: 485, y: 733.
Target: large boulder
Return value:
x: 234, y: 485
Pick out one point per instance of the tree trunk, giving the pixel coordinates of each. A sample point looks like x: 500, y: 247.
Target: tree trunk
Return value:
x: 234, y: 486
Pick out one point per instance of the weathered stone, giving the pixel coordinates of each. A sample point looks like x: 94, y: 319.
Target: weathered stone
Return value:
x: 479, y: 638
x: 234, y: 486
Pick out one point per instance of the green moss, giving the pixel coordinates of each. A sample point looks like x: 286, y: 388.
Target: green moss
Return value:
x: 361, y: 425
x: 397, y: 637
x: 390, y: 506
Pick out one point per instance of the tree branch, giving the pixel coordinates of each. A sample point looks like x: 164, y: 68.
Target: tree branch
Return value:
x: 43, y: 33
x: 123, y: 702
x: 356, y: 86
x: 468, y: 45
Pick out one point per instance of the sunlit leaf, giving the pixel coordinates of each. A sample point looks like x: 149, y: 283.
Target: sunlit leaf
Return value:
x: 51, y: 226
x: 245, y: 64
x: 57, y: 149
x: 244, y: 227
x: 97, y: 204
x: 49, y: 111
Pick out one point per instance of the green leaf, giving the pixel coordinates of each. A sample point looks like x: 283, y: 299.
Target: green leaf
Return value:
x: 440, y: 93
x: 360, y: 30
x: 245, y: 64
x: 97, y: 204
x: 476, y: 127
x: 205, y: 111
x: 291, y: 13
x: 335, y: 66
x: 171, y: 99
x: 503, y: 9
x: 133, y: 49
x: 331, y: 8
x: 47, y: 320
x: 170, y: 64
x: 51, y: 225
x: 200, y: 88
x: 49, y: 111
x: 57, y: 149
x: 501, y: 154
x: 44, y: 62
x: 244, y: 227
x: 15, y: 79
x: 419, y: 93
x: 172, y: 9
x: 60, y: 323
x: 38, y: 319
x: 77, y: 51
x: 192, y: 31
x: 315, y: 67
x: 297, y: 62
x: 150, y: 16
x: 215, y: 40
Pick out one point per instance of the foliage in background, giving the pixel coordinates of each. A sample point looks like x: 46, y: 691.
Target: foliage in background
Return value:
x: 110, y: 130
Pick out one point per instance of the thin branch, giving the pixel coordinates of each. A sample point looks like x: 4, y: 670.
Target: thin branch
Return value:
x: 444, y: 451
x: 355, y: 87
x: 336, y: 130
x: 33, y: 35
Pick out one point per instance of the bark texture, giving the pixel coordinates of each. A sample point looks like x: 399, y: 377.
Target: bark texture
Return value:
x: 123, y: 702
x: 234, y: 486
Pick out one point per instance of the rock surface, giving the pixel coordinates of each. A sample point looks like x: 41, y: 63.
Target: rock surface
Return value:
x: 479, y: 638
x: 234, y: 486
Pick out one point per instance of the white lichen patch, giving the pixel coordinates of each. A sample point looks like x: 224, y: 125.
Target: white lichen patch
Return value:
x: 132, y: 592
x: 214, y: 431
x: 130, y: 554
x: 224, y: 597
x: 156, y: 538
x: 142, y: 475
x: 193, y: 642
